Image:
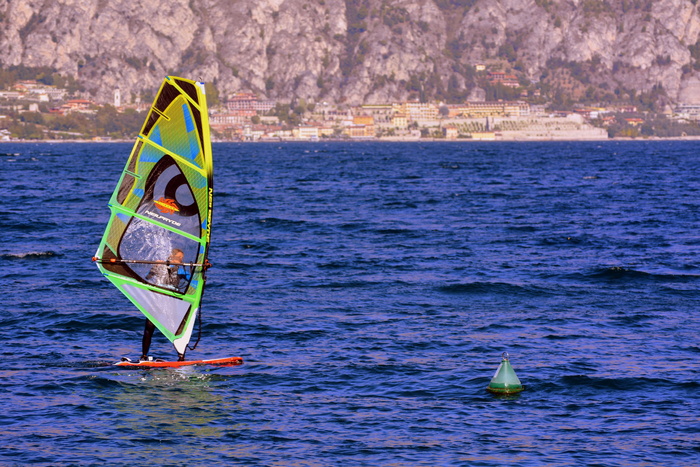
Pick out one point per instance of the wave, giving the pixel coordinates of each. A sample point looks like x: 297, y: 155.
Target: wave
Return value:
x: 79, y: 364
x: 30, y: 255
x: 29, y: 226
x: 398, y: 232
x: 522, y: 228
x: 59, y: 324
x: 260, y: 246
x: 620, y: 273
x: 495, y: 327
x: 354, y: 225
x: 83, y: 284
x: 623, y: 384
x: 309, y: 180
x: 562, y: 337
x: 561, y: 241
x: 338, y: 285
x: 288, y: 225
x: 500, y: 288
x: 400, y: 204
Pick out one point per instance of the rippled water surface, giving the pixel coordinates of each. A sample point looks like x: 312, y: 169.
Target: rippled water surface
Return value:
x: 371, y: 289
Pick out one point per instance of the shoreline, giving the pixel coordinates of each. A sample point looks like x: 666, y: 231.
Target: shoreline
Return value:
x: 380, y: 140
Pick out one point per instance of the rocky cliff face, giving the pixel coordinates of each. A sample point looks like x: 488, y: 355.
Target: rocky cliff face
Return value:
x: 357, y: 51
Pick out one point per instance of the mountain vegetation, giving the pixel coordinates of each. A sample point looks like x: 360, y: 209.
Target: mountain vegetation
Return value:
x: 363, y: 51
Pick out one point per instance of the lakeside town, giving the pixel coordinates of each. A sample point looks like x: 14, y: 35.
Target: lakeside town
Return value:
x: 33, y: 110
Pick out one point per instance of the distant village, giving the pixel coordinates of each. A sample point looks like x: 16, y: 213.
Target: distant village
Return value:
x: 245, y: 116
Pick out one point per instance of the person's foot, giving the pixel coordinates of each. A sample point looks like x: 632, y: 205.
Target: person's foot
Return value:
x: 144, y: 358
x: 180, y: 358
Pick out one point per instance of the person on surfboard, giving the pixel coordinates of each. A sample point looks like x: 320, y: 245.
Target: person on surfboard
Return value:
x: 167, y: 274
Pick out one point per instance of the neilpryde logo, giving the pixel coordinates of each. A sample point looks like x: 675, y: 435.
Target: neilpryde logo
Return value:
x: 166, y: 205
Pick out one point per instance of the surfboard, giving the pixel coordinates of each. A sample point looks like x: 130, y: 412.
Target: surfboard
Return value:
x: 158, y: 363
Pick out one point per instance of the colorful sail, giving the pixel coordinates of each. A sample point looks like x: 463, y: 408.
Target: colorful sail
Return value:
x: 156, y: 243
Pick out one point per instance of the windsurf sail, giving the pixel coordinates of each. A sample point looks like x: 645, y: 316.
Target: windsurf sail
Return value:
x: 156, y: 244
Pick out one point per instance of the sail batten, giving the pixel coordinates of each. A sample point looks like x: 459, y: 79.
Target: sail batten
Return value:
x: 186, y: 93
x: 156, y: 222
x: 180, y: 157
x: 159, y: 290
x: 155, y: 246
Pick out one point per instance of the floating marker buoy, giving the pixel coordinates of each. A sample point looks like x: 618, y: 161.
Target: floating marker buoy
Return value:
x: 505, y: 381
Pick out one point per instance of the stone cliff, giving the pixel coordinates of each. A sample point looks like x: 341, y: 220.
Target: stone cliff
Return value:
x: 359, y: 51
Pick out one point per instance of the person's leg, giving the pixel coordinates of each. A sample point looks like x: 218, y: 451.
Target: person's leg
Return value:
x: 147, y: 335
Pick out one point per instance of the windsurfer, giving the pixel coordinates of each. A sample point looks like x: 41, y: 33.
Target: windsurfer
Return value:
x: 167, y: 274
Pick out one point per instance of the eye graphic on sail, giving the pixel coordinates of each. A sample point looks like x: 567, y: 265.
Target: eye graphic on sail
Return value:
x: 155, y: 246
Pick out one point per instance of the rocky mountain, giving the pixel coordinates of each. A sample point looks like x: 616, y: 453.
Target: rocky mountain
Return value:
x: 361, y: 51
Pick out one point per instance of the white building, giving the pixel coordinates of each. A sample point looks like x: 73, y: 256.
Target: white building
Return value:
x: 688, y: 111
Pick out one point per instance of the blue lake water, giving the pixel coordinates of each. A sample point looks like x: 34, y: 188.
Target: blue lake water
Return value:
x: 371, y: 290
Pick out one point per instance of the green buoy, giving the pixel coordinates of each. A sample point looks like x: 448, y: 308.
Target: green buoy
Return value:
x: 505, y: 381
